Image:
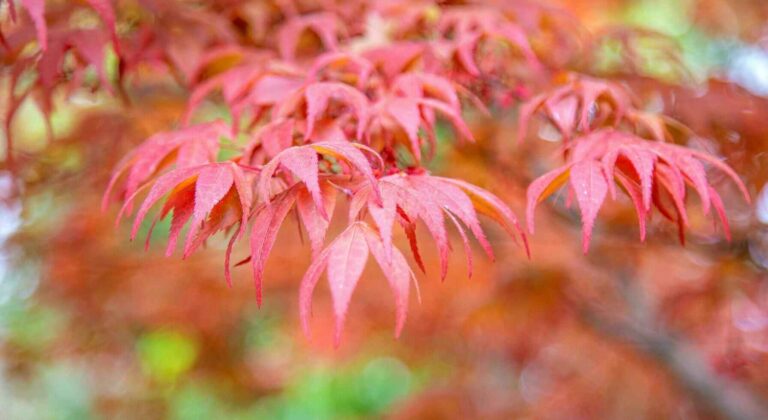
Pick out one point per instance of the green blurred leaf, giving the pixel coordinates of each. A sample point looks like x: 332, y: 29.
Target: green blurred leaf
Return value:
x: 33, y: 327
x: 382, y: 382
x: 195, y: 403
x: 66, y: 392
x: 165, y: 355
x: 671, y: 17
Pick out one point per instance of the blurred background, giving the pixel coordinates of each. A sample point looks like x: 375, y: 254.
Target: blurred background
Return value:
x: 92, y: 326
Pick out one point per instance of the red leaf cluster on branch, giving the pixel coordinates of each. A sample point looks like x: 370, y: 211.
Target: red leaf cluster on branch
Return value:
x: 607, y: 142
x: 343, y: 99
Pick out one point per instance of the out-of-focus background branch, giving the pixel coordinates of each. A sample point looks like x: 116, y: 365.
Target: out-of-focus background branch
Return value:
x: 646, y: 334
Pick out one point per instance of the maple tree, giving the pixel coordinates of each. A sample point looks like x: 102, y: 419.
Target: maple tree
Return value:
x: 352, y: 115
x: 329, y: 112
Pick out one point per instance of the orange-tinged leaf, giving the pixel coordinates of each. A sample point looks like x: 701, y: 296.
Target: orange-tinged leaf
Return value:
x: 188, y: 147
x: 453, y: 199
x: 162, y: 186
x: 491, y: 206
x: 183, y: 204
x: 541, y: 188
x: 213, y: 183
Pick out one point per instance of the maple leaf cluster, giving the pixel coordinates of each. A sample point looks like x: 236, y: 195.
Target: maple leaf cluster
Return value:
x: 334, y: 100
x: 608, y: 143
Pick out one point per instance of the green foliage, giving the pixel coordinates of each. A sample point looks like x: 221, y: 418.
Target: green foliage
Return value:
x: 32, y: 327
x: 165, y: 355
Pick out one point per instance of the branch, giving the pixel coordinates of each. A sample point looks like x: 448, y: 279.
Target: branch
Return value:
x: 713, y: 394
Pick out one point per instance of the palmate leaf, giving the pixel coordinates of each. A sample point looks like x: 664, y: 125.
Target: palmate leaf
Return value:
x: 580, y: 106
x: 341, y: 66
x: 186, y: 147
x: 325, y: 25
x: 314, y: 100
x: 394, y: 59
x: 472, y: 25
x: 266, y: 224
x: 175, y: 40
x: 303, y: 162
x: 36, y: 11
x: 403, y: 198
x: 433, y: 94
x: 409, y: 198
x: 269, y: 140
x: 584, y: 104
x: 406, y: 199
x: 651, y: 173
x: 61, y: 62
x: 255, y: 84
x: 210, y: 197
x: 412, y: 104
x: 313, y: 220
x: 344, y: 260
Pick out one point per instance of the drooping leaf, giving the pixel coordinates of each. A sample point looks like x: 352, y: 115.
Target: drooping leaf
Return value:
x: 213, y: 183
x: 266, y: 223
x: 191, y: 146
x: 580, y: 106
x: 342, y: 66
x: 398, y: 274
x: 591, y: 187
x: 344, y: 260
x: 541, y: 188
x: 655, y: 173
x: 318, y: 96
x: 302, y: 161
x: 213, y: 196
x: 325, y: 25
x: 314, y: 221
x: 409, y: 198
